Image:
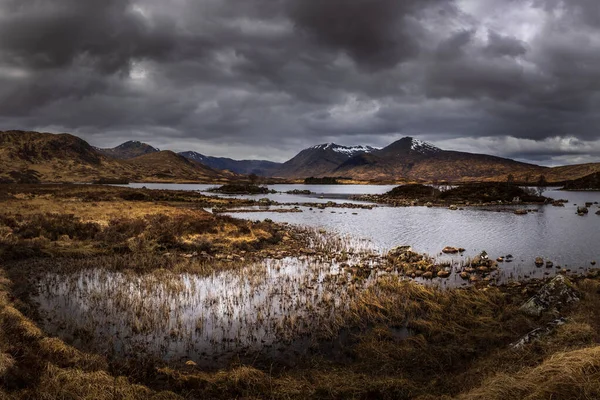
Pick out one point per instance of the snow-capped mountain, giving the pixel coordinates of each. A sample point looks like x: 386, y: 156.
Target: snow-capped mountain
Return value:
x: 319, y: 160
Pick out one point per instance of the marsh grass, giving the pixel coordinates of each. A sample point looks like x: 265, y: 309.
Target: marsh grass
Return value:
x: 205, y: 277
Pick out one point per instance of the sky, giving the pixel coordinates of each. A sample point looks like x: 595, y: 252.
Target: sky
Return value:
x: 262, y: 79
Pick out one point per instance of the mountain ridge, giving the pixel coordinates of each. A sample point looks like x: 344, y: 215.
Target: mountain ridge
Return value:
x: 31, y: 156
x: 245, y: 167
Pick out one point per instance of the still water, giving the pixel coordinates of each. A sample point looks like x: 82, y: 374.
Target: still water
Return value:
x: 555, y: 233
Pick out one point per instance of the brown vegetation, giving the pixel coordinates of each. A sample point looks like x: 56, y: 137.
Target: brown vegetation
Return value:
x: 401, y: 340
x: 31, y: 157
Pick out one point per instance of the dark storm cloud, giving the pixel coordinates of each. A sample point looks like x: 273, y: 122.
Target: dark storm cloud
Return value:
x: 375, y: 33
x: 264, y: 78
x: 55, y: 34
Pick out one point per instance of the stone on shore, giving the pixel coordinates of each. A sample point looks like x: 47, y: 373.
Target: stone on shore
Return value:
x: 555, y: 294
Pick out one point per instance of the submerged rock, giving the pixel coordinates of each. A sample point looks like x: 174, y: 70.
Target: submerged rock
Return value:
x: 555, y: 294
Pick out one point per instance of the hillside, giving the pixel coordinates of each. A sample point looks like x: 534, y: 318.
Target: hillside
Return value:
x: 169, y: 166
x: 245, y: 167
x: 46, y: 157
x: 589, y: 182
x: 127, y: 150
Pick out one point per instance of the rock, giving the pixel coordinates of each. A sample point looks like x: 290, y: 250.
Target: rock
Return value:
x: 190, y: 363
x: 555, y: 294
x: 588, y: 204
x: 538, y: 333
x: 520, y: 212
x: 464, y: 275
x: 429, y: 204
x: 582, y: 210
x: 549, y: 264
x: 539, y: 261
x: 450, y: 250
x: 500, y: 259
x: 593, y: 262
x: 399, y: 250
x: 453, y: 207
x: 443, y: 274
x: 598, y: 212
x: 428, y: 275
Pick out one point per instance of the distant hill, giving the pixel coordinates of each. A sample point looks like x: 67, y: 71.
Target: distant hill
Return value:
x: 245, y: 167
x: 30, y: 157
x: 589, y: 182
x: 167, y: 166
x: 127, y: 150
x: 319, y: 161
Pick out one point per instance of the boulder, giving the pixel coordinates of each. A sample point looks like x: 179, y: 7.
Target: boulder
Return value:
x: 443, y: 274
x: 582, y: 210
x: 399, y: 250
x: 539, y: 261
x: 555, y: 294
x: 521, y: 212
x: 538, y: 333
x: 453, y: 207
x: 450, y: 250
x: 549, y: 264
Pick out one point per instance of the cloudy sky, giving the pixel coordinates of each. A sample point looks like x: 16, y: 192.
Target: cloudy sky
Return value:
x: 265, y: 78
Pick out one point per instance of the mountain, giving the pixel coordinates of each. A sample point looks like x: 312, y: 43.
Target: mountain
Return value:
x: 319, y: 160
x: 31, y: 157
x: 407, y: 158
x: 245, y: 167
x: 167, y: 166
x: 127, y: 150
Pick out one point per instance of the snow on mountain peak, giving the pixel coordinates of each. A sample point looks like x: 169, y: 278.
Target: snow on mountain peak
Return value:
x: 351, y: 150
x: 423, y: 147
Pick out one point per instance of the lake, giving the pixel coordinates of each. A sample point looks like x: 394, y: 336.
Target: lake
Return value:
x: 554, y: 233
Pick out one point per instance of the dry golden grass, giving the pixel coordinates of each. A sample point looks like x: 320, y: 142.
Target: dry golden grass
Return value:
x: 564, y: 375
x: 458, y: 344
x: 62, y: 383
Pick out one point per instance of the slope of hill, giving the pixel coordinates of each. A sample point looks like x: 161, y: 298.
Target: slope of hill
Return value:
x: 46, y: 157
x: 127, y: 150
x: 589, y: 182
x: 246, y: 167
x: 319, y: 160
x: 169, y: 166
